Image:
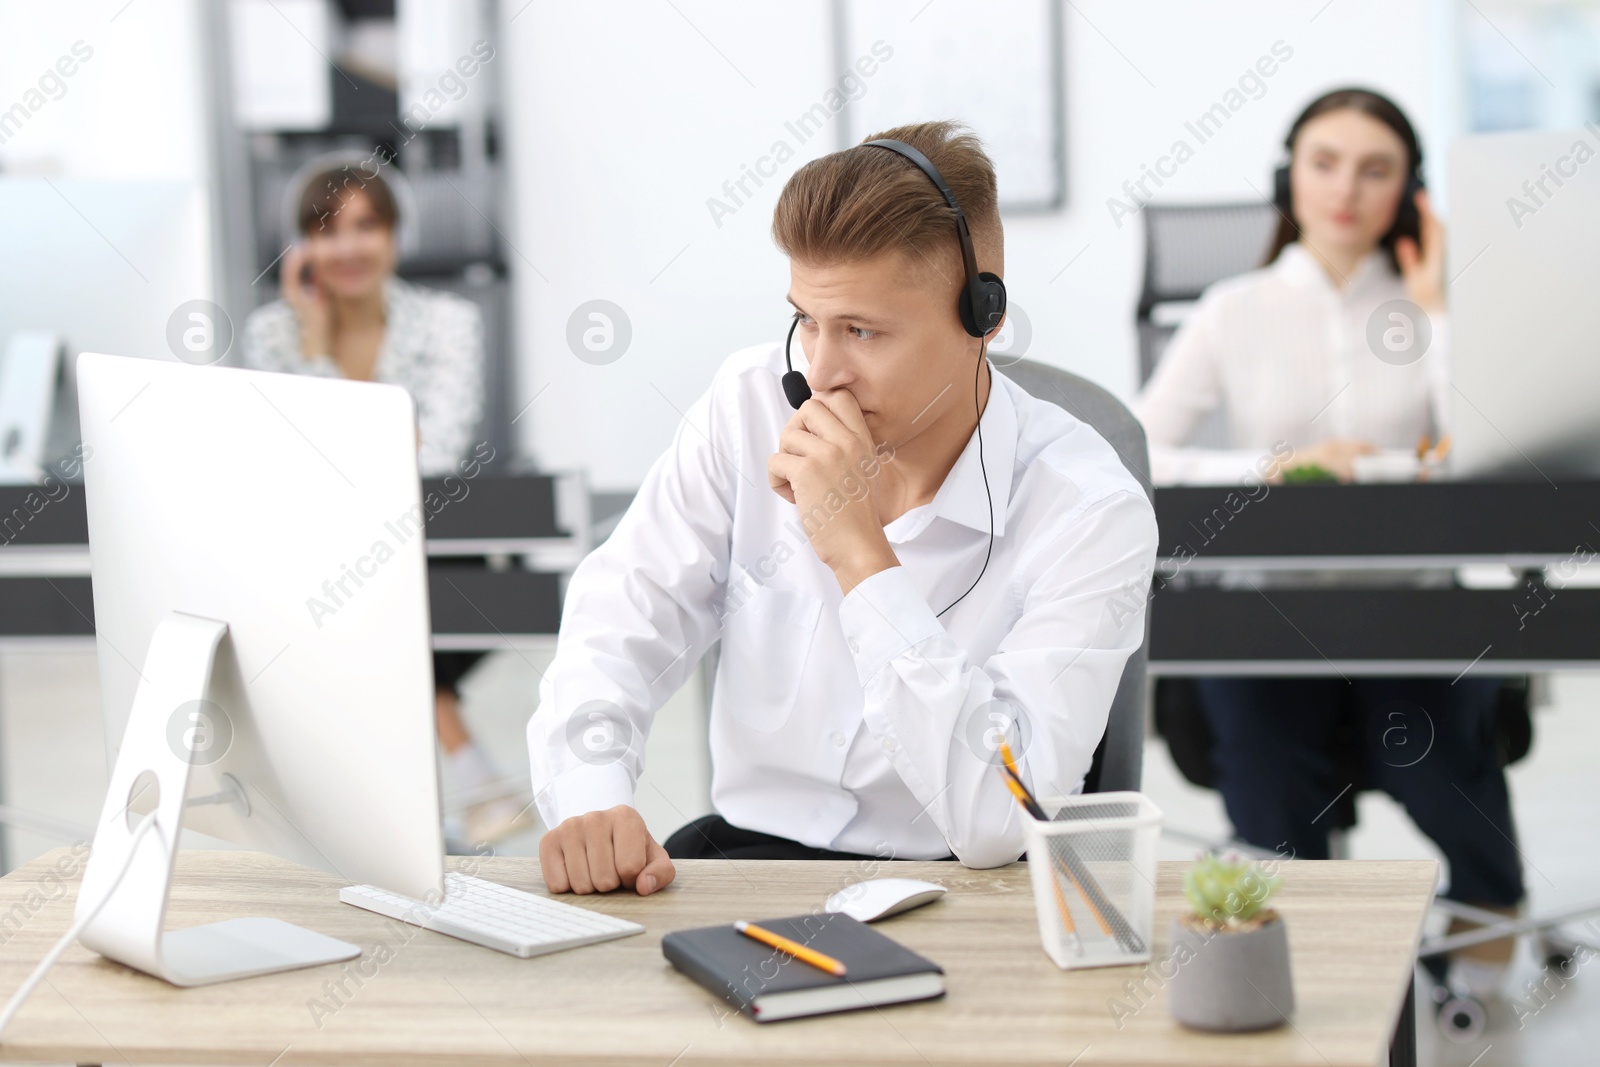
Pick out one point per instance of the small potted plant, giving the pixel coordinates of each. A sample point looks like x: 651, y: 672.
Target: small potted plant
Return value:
x: 1230, y: 954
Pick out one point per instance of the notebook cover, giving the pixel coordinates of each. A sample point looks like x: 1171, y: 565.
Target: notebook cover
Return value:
x: 741, y: 970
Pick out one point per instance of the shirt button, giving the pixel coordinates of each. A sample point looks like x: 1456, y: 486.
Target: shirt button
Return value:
x: 888, y: 744
x: 854, y: 647
x: 837, y: 738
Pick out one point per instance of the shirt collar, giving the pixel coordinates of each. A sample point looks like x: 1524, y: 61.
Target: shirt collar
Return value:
x: 963, y: 497
x: 1298, y: 265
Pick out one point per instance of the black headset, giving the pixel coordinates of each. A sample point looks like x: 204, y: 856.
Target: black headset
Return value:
x: 1407, y: 219
x: 982, y: 304
x: 982, y: 307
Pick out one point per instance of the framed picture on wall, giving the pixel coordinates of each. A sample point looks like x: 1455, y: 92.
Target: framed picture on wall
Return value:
x: 997, y: 70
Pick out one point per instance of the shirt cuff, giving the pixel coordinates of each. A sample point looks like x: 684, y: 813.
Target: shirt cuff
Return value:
x: 883, y: 617
x: 584, y: 788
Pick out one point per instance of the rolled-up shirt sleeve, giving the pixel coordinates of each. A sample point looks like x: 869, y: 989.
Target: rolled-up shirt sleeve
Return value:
x: 640, y: 612
x: 1047, y: 688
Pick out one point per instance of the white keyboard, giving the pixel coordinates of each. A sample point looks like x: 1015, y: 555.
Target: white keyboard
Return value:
x: 496, y: 916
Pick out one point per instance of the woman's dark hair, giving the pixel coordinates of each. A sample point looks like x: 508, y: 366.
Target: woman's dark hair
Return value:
x: 1385, y: 111
x: 325, y: 192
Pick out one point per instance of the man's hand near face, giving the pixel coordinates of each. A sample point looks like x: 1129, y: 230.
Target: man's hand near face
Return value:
x: 826, y: 465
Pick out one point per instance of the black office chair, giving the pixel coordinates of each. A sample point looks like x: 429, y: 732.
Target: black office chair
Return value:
x: 1119, y: 758
x: 1188, y: 247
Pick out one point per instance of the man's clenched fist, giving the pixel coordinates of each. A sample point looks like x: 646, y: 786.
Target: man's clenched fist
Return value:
x: 599, y: 851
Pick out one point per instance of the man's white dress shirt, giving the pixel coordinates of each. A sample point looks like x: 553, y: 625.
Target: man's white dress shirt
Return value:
x: 1286, y: 356
x: 860, y: 723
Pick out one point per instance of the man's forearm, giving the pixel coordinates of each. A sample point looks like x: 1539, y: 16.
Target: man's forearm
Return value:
x: 862, y: 564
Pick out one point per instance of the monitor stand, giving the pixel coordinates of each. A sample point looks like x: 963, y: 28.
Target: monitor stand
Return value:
x: 128, y: 929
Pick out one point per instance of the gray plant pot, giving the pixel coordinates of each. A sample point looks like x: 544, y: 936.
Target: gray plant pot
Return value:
x: 1231, y: 981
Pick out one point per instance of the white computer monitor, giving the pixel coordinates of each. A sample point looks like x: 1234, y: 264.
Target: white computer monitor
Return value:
x: 1524, y: 259
x: 261, y: 614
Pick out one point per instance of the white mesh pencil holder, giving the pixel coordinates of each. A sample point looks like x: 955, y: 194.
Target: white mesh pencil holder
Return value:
x: 1093, y: 867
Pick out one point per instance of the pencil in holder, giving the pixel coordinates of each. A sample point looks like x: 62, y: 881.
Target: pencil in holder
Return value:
x: 1093, y: 867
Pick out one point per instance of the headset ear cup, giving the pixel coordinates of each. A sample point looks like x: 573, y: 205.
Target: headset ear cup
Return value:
x: 1407, y: 219
x: 1282, y: 195
x: 969, y: 318
x: 983, y: 304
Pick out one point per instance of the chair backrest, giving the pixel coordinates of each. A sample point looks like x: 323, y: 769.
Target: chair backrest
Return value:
x: 1119, y: 759
x: 1187, y: 247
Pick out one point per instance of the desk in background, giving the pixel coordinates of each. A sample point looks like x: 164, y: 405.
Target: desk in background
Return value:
x: 1353, y: 930
x: 1201, y: 626
x: 538, y: 520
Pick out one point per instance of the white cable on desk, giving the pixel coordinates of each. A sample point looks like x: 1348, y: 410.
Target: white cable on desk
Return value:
x: 49, y: 961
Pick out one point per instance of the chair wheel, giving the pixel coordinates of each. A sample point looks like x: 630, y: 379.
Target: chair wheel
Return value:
x: 1461, y: 1018
x: 1558, y: 951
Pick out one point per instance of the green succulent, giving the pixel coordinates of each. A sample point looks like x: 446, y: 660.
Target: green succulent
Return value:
x: 1228, y: 892
x: 1308, y: 473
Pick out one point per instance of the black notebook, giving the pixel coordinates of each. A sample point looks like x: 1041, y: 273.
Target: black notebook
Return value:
x: 767, y: 984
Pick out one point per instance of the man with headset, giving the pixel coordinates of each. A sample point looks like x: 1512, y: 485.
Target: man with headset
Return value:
x: 905, y: 556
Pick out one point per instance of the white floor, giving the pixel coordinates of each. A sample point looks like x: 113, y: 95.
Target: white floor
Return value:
x: 52, y: 763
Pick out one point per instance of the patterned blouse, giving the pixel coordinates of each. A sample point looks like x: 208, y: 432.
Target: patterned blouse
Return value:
x: 432, y: 346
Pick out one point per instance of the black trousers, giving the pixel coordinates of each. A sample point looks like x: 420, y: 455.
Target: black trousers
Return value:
x: 711, y: 837
x: 1426, y: 742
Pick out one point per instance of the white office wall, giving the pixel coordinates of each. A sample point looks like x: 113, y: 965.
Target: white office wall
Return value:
x: 623, y: 118
x: 132, y: 111
x: 104, y: 218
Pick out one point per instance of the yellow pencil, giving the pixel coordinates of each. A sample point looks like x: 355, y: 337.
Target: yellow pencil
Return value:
x: 1005, y: 754
x: 800, y: 952
x: 1022, y: 797
x: 1100, y: 920
x: 1033, y: 809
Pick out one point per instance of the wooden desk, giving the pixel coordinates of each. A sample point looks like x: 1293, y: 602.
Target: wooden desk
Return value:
x: 1353, y: 928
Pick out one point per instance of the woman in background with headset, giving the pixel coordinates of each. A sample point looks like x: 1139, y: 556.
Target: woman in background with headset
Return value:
x: 1286, y: 354
x: 344, y: 313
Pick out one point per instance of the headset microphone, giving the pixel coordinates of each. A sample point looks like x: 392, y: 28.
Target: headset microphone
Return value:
x: 794, y: 383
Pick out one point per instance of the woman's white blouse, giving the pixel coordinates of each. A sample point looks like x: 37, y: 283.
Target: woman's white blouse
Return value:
x: 1287, y: 356
x: 432, y: 346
